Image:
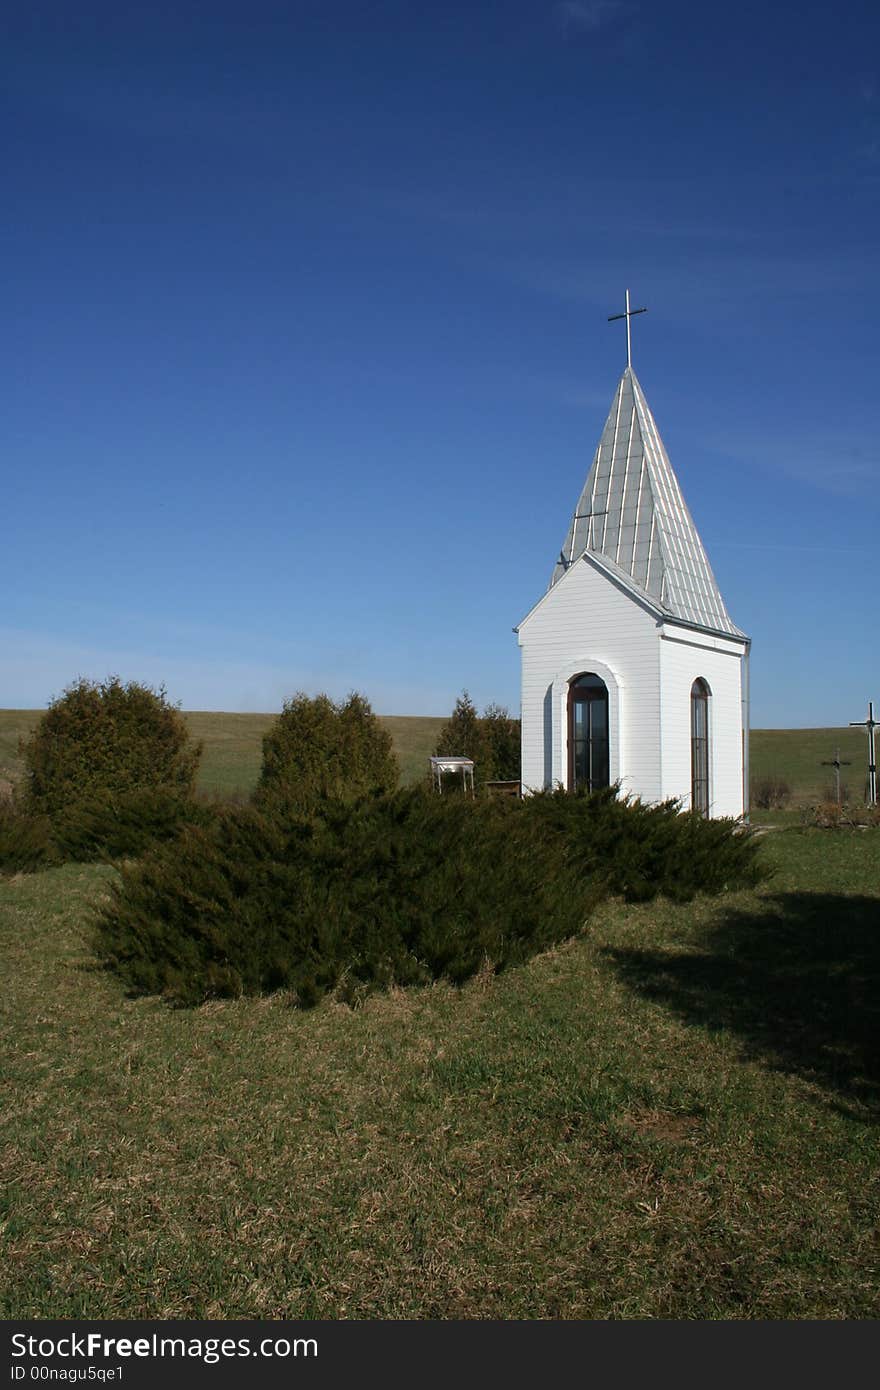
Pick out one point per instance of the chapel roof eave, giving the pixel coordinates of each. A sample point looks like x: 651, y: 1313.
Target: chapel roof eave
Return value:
x: 625, y: 582
x: 662, y: 610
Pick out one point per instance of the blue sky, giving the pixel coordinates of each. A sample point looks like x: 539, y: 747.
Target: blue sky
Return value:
x: 306, y: 352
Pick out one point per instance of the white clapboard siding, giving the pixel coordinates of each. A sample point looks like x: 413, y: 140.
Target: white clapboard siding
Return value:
x: 684, y: 656
x: 587, y: 623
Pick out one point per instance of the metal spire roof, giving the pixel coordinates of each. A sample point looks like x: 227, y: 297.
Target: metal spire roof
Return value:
x: 632, y: 513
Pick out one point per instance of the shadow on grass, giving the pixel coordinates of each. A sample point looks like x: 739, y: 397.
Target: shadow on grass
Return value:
x: 799, y: 983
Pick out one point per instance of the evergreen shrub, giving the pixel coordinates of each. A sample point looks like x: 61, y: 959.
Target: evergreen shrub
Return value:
x: 222, y: 911
x: 124, y: 825
x: 103, y: 738
x: 319, y: 750
x: 26, y: 842
x: 641, y: 851
x: 118, y: 825
x: 502, y: 740
x: 491, y: 740
x: 398, y: 889
x: 394, y: 889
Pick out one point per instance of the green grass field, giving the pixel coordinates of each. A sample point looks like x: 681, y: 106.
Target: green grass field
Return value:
x: 231, y: 762
x: 673, y: 1116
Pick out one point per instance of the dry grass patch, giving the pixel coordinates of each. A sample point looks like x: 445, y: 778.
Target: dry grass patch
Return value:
x: 555, y: 1142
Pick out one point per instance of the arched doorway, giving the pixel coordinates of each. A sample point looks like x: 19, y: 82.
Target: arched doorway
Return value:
x: 700, y: 746
x: 587, y: 733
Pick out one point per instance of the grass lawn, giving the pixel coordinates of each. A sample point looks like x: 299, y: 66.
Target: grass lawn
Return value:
x: 674, y: 1116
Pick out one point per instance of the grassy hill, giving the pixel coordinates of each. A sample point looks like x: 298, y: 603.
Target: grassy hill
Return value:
x: 798, y: 755
x: 671, y: 1116
x: 231, y: 761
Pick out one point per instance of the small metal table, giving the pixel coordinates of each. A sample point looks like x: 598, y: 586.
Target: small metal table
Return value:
x: 463, y: 765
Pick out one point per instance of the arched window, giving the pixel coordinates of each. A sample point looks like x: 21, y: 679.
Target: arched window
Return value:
x: 700, y: 746
x: 587, y: 733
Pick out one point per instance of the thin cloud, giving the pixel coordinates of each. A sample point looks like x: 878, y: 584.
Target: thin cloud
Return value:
x: 39, y: 665
x: 835, y: 464
x: 728, y: 282
x: 590, y: 16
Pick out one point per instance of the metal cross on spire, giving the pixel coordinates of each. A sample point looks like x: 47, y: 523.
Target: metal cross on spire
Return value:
x: 628, y: 314
x: 869, y: 725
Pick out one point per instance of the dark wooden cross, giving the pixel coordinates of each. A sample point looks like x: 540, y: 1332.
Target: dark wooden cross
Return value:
x: 579, y: 516
x: 837, y: 765
x: 869, y: 725
x: 628, y: 314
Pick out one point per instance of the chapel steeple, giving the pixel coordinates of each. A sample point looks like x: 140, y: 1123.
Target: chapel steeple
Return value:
x: 633, y: 674
x: 631, y: 515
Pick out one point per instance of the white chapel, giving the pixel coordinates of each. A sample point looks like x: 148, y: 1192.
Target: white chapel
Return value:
x: 632, y: 670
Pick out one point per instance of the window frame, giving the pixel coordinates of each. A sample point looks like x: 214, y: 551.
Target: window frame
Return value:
x: 601, y: 696
x: 701, y: 759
